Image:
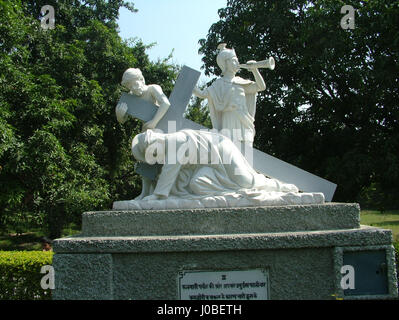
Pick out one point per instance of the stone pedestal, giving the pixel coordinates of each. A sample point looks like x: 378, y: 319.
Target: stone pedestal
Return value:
x: 152, y: 254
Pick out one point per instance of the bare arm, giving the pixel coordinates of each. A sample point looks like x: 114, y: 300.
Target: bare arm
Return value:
x: 260, y: 84
x: 258, y: 77
x: 163, y: 103
x: 202, y: 94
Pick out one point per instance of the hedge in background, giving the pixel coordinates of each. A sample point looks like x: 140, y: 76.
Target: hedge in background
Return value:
x: 20, y: 275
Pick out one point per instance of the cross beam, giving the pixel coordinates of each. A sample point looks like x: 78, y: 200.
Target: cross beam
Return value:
x: 262, y: 162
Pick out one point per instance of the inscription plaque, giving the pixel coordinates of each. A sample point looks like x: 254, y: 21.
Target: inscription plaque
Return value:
x: 223, y: 285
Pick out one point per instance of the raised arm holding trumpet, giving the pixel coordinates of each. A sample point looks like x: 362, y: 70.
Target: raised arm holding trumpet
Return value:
x: 268, y: 64
x: 231, y: 99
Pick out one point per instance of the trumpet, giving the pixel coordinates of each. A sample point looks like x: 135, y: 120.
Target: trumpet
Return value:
x: 268, y: 64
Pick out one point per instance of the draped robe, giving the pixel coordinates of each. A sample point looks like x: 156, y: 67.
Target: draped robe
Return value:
x: 202, y: 163
x: 232, y: 106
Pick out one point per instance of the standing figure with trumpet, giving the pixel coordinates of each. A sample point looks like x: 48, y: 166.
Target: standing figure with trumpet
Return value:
x: 232, y: 100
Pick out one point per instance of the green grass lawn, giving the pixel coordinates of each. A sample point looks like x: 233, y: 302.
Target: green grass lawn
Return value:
x: 21, y: 242
x: 30, y: 240
x: 386, y: 220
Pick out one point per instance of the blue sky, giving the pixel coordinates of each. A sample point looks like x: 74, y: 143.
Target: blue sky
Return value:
x: 172, y: 24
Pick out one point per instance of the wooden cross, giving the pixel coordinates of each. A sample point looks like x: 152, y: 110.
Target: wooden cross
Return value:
x: 262, y: 162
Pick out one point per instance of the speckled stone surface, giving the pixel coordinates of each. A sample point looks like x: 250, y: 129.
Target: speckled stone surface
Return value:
x: 154, y: 276
x: 331, y: 216
x: 229, y: 242
x: 83, y: 276
x: 140, y: 257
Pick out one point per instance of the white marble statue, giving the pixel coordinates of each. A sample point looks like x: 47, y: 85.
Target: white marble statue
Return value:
x: 231, y: 99
x: 205, y: 169
x: 133, y: 80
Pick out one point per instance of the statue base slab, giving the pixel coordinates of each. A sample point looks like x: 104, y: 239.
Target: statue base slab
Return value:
x: 286, y: 252
x: 245, y: 220
x: 233, y: 200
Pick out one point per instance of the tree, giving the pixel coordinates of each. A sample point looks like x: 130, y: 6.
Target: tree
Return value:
x: 331, y: 104
x: 61, y: 148
x: 198, y: 111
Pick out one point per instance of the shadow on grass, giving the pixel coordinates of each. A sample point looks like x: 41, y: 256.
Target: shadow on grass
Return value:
x: 386, y: 223
x: 380, y: 213
x: 25, y: 241
x: 32, y: 239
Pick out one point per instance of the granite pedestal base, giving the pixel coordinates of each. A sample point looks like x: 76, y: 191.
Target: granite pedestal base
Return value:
x: 300, y: 249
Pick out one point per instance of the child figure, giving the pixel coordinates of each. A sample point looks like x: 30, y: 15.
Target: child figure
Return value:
x: 133, y: 80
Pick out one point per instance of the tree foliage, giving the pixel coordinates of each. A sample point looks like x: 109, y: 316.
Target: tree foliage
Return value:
x: 331, y: 104
x: 61, y: 149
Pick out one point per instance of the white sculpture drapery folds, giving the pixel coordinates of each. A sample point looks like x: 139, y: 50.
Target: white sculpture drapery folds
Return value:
x: 232, y: 99
x: 206, y: 169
